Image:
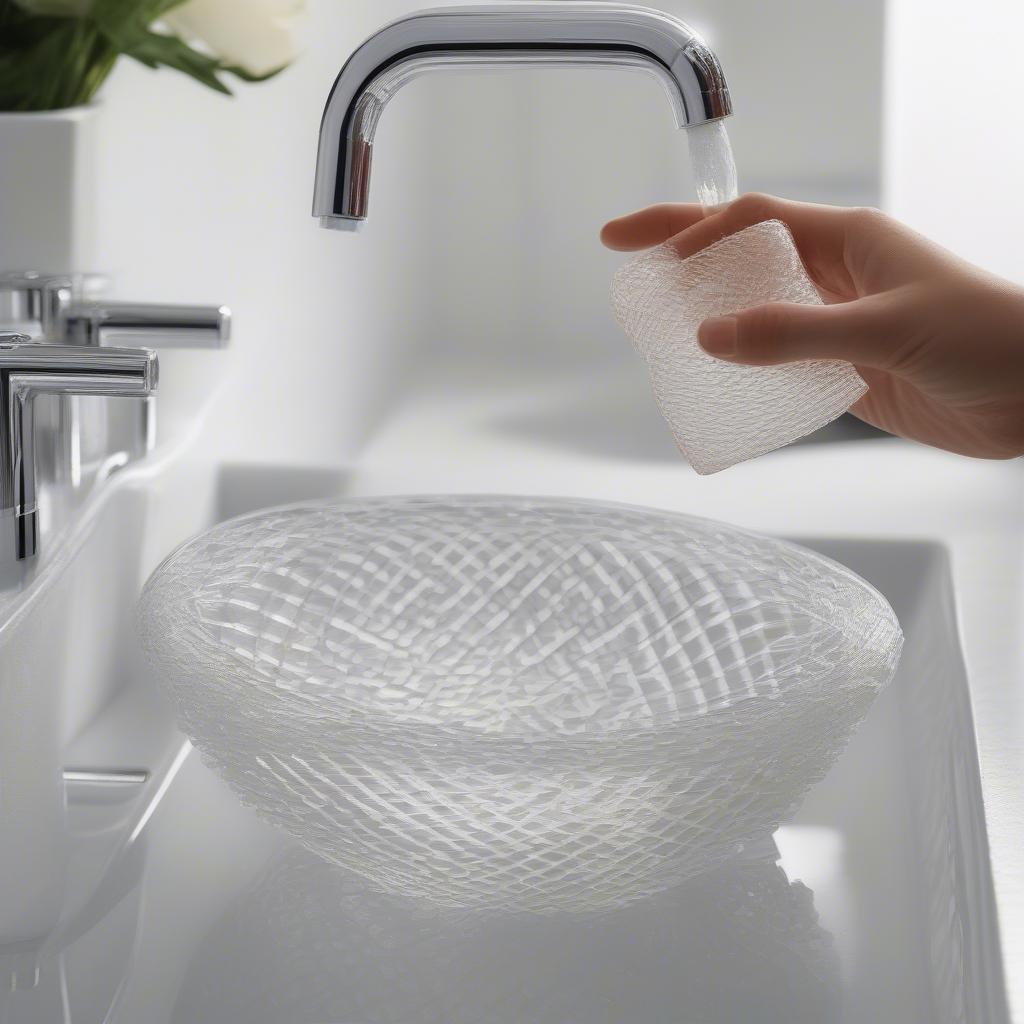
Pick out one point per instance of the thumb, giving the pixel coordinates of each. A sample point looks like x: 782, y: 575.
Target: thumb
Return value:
x: 859, y: 332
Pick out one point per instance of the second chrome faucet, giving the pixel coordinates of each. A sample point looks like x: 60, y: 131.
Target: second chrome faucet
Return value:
x: 68, y: 355
x: 27, y: 371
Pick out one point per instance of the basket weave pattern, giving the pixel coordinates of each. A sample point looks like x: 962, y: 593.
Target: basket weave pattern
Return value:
x: 515, y: 703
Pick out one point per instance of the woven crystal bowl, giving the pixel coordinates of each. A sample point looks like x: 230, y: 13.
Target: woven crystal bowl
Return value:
x: 515, y: 703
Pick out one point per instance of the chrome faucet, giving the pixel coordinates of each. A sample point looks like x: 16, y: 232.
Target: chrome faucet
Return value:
x: 524, y: 35
x: 54, y: 305
x: 28, y: 370
x: 77, y: 443
x: 95, y: 323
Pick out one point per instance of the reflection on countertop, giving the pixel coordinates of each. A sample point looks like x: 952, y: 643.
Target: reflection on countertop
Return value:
x: 309, y: 942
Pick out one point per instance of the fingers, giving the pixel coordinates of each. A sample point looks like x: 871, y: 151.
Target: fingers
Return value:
x: 819, y: 231
x: 866, y: 332
x: 651, y: 226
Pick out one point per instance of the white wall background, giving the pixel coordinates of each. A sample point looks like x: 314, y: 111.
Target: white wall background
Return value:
x: 208, y: 199
x: 518, y: 172
x: 954, y: 137
x: 487, y: 197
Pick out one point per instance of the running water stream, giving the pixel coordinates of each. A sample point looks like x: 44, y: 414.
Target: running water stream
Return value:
x: 714, y: 170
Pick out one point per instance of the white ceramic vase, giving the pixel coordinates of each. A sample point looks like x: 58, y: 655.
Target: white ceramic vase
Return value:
x: 48, y: 190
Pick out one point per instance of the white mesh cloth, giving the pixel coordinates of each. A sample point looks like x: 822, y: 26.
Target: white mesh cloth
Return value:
x: 511, y: 702
x: 721, y: 413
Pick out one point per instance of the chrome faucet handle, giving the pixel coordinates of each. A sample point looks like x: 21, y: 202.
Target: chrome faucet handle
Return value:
x: 28, y: 297
x: 28, y: 370
x: 62, y: 309
x: 159, y: 325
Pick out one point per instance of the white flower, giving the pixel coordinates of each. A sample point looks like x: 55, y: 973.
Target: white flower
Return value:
x: 257, y: 35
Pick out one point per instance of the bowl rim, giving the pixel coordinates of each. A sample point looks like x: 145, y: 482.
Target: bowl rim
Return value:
x: 441, y: 734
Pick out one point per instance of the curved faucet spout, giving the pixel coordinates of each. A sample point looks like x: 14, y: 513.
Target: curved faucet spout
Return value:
x: 553, y: 33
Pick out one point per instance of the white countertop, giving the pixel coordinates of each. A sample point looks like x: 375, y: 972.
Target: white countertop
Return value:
x: 597, y: 437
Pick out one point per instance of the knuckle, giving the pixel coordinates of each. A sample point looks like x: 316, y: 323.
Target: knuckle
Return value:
x: 867, y: 217
x: 762, y: 334
x: 662, y: 211
x: 665, y: 215
x: 753, y: 207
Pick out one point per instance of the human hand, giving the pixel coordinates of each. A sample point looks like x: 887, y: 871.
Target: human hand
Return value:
x: 939, y: 342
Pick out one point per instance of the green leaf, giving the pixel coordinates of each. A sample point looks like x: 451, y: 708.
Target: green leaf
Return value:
x: 154, y: 49
x: 247, y: 76
x: 51, y: 61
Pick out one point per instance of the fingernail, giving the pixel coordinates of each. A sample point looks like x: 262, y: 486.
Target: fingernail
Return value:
x: 717, y: 336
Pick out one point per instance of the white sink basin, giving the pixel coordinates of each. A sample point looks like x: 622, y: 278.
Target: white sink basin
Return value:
x: 239, y: 926
x: 891, y: 846
x: 894, y: 920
